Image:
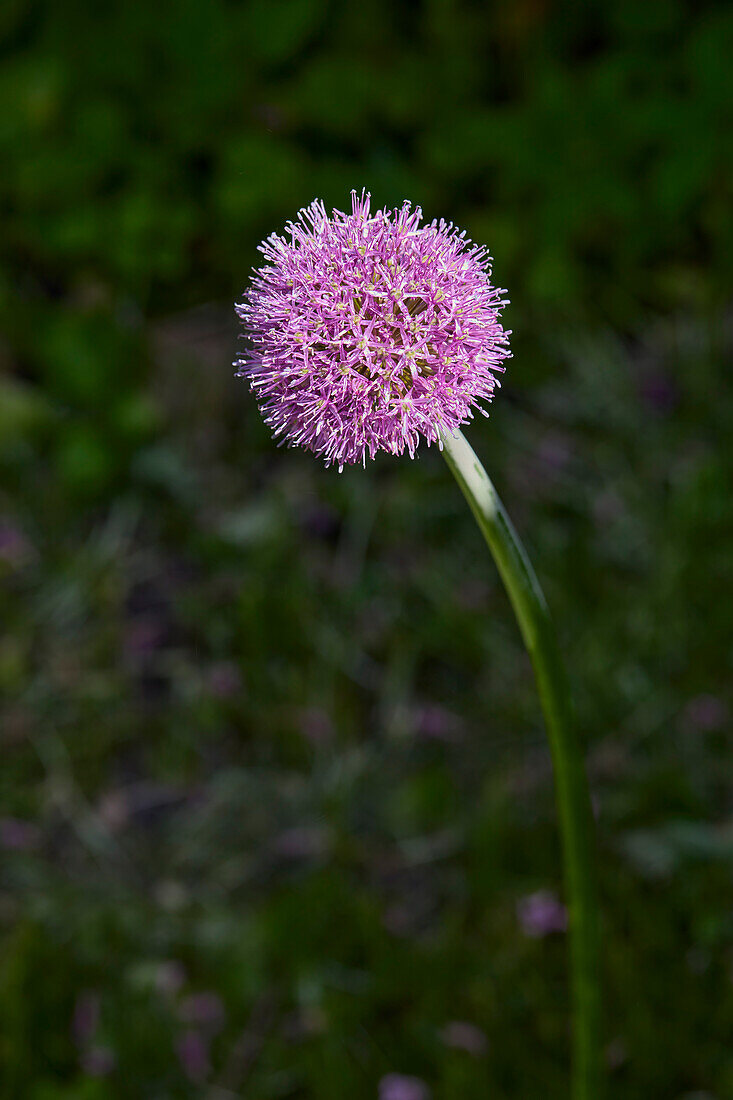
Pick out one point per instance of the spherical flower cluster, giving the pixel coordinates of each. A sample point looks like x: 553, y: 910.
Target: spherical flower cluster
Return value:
x: 367, y: 331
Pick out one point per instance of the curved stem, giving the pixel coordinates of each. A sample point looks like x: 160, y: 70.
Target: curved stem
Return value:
x: 571, y: 786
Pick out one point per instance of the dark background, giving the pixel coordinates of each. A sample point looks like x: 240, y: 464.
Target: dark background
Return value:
x: 274, y: 784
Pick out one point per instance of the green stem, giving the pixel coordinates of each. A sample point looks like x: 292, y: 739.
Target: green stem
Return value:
x: 573, y: 799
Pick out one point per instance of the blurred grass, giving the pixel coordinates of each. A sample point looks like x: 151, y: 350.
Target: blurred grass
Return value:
x: 269, y: 733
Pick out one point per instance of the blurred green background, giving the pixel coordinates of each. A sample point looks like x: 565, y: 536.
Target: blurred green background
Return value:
x: 276, y: 807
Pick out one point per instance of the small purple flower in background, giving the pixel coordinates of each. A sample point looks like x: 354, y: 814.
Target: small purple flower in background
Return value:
x: 270, y: 116
x: 98, y: 1061
x: 224, y: 680
x: 301, y: 842
x: 95, y: 1060
x: 608, y: 508
x: 304, y: 1023
x: 542, y: 468
x: 315, y: 725
x: 15, y: 550
x: 554, y: 453
x: 658, y: 391
x: 541, y: 913
x: 113, y: 809
x: 705, y: 712
x: 85, y: 1020
x: 318, y: 521
x: 616, y: 1053
x: 170, y: 977
x: 369, y: 331
x: 461, y: 1035
x: 193, y: 1054
x: 143, y: 636
x: 396, y: 1086
x: 17, y: 835
x: 436, y: 723
x: 204, y: 1010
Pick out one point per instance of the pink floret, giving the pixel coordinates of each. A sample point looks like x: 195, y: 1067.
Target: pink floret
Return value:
x: 367, y: 331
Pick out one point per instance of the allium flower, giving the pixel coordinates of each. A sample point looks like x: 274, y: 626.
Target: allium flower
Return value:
x: 367, y: 331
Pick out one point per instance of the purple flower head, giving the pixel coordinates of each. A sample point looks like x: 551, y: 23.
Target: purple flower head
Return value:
x: 367, y: 331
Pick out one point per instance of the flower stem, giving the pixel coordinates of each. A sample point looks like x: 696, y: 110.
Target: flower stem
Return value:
x: 571, y: 785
